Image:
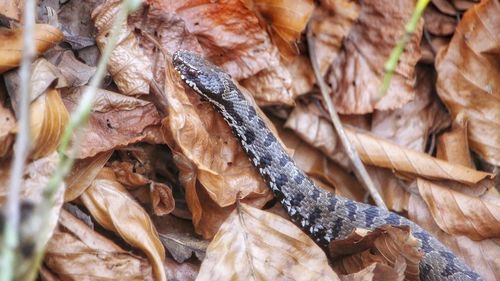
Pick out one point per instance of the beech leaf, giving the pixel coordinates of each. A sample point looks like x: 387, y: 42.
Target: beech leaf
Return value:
x: 256, y: 245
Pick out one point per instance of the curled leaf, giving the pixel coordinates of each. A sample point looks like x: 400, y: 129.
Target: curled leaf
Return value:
x: 129, y: 66
x: 468, y: 83
x: 49, y: 117
x: 111, y: 205
x: 253, y: 244
x: 7, y: 130
x: 46, y: 36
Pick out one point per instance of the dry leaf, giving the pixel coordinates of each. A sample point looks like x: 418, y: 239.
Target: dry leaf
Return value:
x: 45, y: 36
x: 182, y: 246
x: 205, y: 150
x: 286, y: 19
x: 356, y: 73
x: 8, y: 128
x: 317, y: 131
x: 438, y: 23
x: 48, y: 117
x: 411, y: 125
x: 390, y: 188
x: 111, y: 205
x: 453, y: 146
x: 378, y: 272
x: 74, y: 71
x: 460, y: 214
x: 128, y: 65
x: 253, y: 244
x: 483, y: 256
x: 12, y: 9
x: 83, y: 173
x: 389, y: 245
x: 75, y: 252
x: 303, y: 77
x: 330, y: 28
x: 468, y: 83
x: 116, y: 120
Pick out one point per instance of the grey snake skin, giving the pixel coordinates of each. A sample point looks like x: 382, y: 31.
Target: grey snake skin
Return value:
x: 322, y: 214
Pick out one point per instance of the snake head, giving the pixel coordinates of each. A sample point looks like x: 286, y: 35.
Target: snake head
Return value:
x: 202, y: 76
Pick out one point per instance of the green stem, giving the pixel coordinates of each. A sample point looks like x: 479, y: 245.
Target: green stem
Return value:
x: 392, y: 62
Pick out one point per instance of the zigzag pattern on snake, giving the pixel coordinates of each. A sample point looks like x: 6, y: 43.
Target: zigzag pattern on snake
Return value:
x: 322, y: 214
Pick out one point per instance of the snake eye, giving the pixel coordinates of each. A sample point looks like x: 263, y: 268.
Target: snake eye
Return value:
x: 191, y: 71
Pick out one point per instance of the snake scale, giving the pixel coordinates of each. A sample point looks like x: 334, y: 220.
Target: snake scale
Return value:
x: 322, y: 214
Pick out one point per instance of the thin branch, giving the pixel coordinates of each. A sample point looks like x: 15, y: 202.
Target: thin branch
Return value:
x: 392, y: 62
x: 22, y: 147
x: 358, y: 167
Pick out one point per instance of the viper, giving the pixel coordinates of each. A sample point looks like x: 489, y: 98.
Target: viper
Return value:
x: 323, y: 215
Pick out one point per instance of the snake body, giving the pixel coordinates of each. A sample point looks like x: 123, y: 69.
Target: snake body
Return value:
x: 322, y: 214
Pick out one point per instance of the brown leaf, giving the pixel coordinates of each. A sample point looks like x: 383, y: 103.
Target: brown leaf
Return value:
x: 482, y: 256
x: 116, y: 120
x: 83, y: 173
x: 206, y: 150
x: 411, y: 125
x: 357, y: 71
x: 183, y: 246
x: 74, y: 71
x: 319, y: 132
x: 253, y: 244
x: 7, y: 130
x: 438, y: 23
x: 128, y: 65
x: 390, y: 188
x: 48, y: 117
x: 468, y: 83
x: 460, y: 214
x: 330, y: 24
x: 12, y: 9
x: 377, y: 271
x: 303, y: 77
x: 453, y: 146
x: 45, y: 36
x: 388, y: 245
x: 75, y: 252
x: 111, y: 205
x: 286, y: 19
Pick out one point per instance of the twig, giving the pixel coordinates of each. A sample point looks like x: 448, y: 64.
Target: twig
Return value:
x: 392, y: 62
x: 11, y: 229
x: 77, y: 121
x: 358, y: 167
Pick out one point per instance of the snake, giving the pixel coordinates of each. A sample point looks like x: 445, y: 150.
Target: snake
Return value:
x: 323, y: 215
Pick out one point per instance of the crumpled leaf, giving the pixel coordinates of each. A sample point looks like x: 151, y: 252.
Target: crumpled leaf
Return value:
x: 387, y: 245
x: 438, y: 23
x: 231, y: 36
x: 183, y: 246
x: 205, y: 149
x: 48, y: 117
x: 468, y: 83
x: 253, y: 244
x: 330, y: 24
x: 460, y: 214
x: 286, y: 19
x: 116, y: 120
x: 128, y: 65
x: 356, y: 73
x: 482, y: 256
x: 303, y: 76
x: 45, y: 36
x: 411, y: 125
x: 75, y: 252
x: 380, y: 152
x: 74, y: 71
x: 7, y: 130
x: 36, y: 176
x: 111, y: 205
x: 83, y: 173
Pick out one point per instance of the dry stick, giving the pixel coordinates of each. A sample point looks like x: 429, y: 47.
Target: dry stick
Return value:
x: 10, y: 240
x: 392, y: 62
x: 358, y: 167
x: 77, y: 121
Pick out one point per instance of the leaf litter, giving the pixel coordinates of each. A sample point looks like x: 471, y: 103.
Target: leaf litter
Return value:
x: 169, y: 192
